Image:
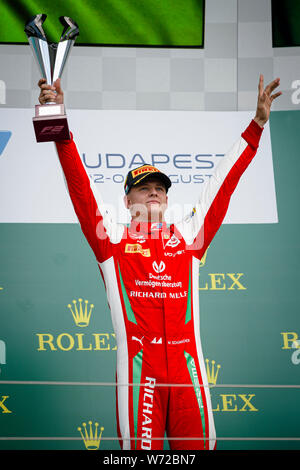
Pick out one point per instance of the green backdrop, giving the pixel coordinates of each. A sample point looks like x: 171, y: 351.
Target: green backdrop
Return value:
x: 285, y: 23
x: 171, y: 23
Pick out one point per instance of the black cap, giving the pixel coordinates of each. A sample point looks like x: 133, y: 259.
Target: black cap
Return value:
x: 138, y: 174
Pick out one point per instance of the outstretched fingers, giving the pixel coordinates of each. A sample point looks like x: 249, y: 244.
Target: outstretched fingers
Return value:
x: 273, y: 97
x: 271, y: 87
x: 261, y: 85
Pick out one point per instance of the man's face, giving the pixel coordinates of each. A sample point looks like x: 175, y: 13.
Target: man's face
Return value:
x: 147, y: 201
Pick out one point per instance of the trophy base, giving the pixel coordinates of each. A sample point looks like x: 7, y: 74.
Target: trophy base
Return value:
x: 50, y: 123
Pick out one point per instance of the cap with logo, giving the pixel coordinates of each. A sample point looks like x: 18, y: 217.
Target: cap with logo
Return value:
x: 142, y: 172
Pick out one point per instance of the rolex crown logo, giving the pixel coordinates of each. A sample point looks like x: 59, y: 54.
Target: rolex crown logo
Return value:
x: 81, y: 314
x: 91, y: 440
x: 212, y: 373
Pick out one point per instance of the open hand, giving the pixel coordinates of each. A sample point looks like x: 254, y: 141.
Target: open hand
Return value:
x: 265, y: 100
x: 50, y: 93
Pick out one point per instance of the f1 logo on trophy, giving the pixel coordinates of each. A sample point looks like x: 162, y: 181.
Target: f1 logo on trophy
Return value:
x: 50, y: 121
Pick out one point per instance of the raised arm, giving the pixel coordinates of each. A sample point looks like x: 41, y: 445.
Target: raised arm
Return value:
x: 98, y: 227
x: 199, y: 227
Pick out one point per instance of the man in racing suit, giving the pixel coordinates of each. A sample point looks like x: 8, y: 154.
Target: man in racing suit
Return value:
x: 150, y: 272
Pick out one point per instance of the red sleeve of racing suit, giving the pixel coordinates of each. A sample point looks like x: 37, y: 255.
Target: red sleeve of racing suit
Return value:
x: 95, y: 221
x: 199, y: 227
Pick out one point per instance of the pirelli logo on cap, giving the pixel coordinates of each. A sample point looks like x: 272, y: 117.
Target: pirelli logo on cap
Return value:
x: 134, y: 177
x: 137, y: 248
x: 144, y: 169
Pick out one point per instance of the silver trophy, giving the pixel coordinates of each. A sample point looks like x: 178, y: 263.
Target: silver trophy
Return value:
x: 50, y: 121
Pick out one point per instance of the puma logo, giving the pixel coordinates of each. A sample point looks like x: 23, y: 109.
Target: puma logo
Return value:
x: 134, y: 338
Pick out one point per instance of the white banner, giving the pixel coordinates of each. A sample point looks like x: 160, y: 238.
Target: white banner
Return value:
x: 186, y: 145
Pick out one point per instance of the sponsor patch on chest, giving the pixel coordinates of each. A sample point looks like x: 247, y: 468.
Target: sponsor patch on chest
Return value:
x: 137, y: 248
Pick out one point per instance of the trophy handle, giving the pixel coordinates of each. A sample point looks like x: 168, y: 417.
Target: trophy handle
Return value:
x: 62, y: 53
x: 39, y: 45
x: 71, y: 29
x: 34, y: 27
x: 67, y: 40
